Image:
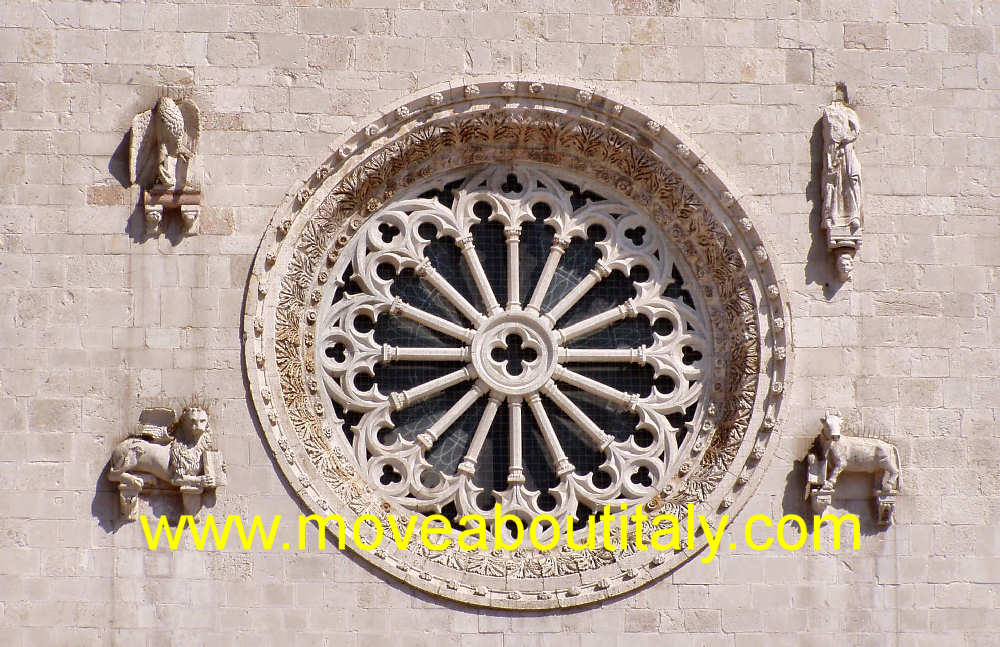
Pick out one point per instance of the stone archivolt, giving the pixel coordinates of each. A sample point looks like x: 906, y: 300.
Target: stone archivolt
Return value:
x: 363, y: 208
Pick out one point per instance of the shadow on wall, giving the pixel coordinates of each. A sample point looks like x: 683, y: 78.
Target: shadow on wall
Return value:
x: 104, y: 506
x: 819, y: 268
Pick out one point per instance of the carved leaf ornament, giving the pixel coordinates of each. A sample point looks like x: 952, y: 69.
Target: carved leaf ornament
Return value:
x: 521, y: 294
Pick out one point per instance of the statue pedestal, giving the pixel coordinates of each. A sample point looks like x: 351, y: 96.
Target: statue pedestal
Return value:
x: 885, y: 506
x: 159, y: 198
x: 842, y: 237
x: 128, y: 500
x: 820, y: 498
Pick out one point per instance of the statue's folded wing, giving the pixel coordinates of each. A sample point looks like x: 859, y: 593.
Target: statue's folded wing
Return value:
x: 154, y: 433
x: 192, y: 125
x: 142, y: 150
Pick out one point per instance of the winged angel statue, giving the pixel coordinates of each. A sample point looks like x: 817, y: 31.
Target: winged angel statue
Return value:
x: 162, y: 161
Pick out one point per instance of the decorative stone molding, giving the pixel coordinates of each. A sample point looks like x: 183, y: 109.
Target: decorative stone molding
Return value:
x: 163, y: 162
x: 838, y: 453
x: 513, y: 352
x: 378, y: 224
x: 167, y: 453
x: 842, y: 215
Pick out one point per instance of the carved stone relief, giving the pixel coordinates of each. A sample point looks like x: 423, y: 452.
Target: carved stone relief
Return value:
x: 485, y: 249
x: 516, y: 351
x: 838, y: 453
x: 166, y: 453
x: 163, y: 162
x: 842, y: 219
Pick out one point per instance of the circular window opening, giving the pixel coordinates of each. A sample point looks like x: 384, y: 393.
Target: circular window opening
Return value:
x: 520, y: 294
x: 535, y: 345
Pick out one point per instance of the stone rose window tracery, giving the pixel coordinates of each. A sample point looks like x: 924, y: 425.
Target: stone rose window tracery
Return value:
x: 522, y: 293
x: 511, y: 335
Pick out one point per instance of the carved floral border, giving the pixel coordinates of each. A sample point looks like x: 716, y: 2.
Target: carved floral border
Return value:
x: 594, y: 137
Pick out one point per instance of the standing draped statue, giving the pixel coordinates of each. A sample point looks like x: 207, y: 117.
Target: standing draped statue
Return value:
x: 842, y: 218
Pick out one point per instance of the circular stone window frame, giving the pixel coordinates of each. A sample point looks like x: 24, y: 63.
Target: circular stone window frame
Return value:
x: 457, y: 126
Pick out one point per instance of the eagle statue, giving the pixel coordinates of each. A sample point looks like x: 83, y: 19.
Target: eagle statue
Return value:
x: 162, y: 160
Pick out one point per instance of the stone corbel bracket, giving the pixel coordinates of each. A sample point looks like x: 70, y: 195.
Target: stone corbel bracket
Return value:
x: 838, y: 453
x: 163, y: 162
x: 167, y: 453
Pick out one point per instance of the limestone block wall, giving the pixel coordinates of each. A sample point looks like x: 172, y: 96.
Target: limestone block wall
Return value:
x: 98, y: 322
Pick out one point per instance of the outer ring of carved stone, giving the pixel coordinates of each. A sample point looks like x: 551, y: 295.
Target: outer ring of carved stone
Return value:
x: 684, y: 193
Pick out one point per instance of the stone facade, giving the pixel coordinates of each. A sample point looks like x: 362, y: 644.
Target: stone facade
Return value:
x: 99, y: 321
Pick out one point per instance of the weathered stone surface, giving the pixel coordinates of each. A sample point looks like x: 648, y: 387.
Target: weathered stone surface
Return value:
x: 909, y: 347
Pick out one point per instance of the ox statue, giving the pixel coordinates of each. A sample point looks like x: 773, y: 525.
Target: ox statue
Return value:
x: 838, y: 453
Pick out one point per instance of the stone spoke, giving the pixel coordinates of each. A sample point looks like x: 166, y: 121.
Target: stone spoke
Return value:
x: 403, y: 399
x: 593, y: 432
x: 432, y: 276
x: 596, y: 322
x: 471, y: 459
x: 513, y: 236
x: 425, y: 354
x: 605, y: 355
x: 448, y: 418
x: 479, y: 274
x: 548, y: 271
x: 433, y: 322
x: 594, y: 277
x: 556, y: 454
x: 515, y: 476
x: 627, y: 401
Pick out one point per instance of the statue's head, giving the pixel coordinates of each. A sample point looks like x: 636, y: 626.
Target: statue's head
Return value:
x: 845, y: 264
x: 193, y: 423
x: 831, y: 425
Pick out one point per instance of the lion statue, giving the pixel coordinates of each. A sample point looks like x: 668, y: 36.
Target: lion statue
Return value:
x: 180, y: 454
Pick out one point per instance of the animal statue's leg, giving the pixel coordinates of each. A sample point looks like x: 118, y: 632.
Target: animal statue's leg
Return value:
x: 890, y: 477
x: 166, y: 173
x: 836, y: 467
x: 129, y: 486
x: 131, y: 480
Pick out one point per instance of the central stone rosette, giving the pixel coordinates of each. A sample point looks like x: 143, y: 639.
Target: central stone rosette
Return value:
x: 511, y: 335
x: 514, y: 353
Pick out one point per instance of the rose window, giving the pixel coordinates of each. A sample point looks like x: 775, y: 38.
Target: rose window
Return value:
x: 512, y: 334
x: 523, y: 294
